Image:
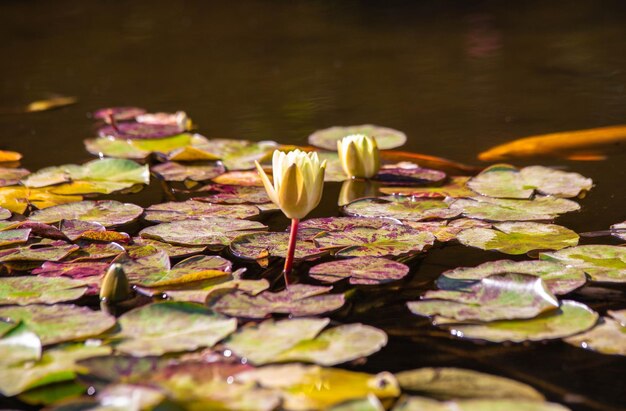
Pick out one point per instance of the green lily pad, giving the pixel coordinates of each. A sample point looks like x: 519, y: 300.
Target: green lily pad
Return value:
x: 519, y: 237
x: 259, y: 246
x: 190, y: 209
x: 33, y: 290
x: 556, y: 183
x: 501, y: 181
x: 619, y: 230
x: 608, y: 337
x: 301, y: 340
x: 210, y: 231
x: 497, y: 297
x: 38, y: 252
x: 390, y: 240
x: 140, y: 149
x: 53, y: 393
x: 61, y: 322
x: 56, y: 364
x: 173, y: 171
x: 386, y: 138
x: 498, y: 209
x: 478, y: 404
x: 360, y: 270
x: 603, y: 263
x: 572, y: 318
x: 559, y: 278
x: 331, y: 386
x: 170, y: 326
x: 401, y: 208
x: 10, y: 237
x: 449, y: 383
x: 238, y: 154
x: 109, y: 213
x: 298, y: 300
x: 19, y: 345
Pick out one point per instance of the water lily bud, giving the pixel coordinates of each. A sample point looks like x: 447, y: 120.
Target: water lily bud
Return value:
x: 359, y: 156
x: 298, y: 182
x: 115, y: 287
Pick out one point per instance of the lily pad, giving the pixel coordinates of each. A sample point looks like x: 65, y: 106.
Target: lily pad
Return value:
x: 190, y: 209
x: 210, y: 231
x: 139, y: 149
x: 73, y: 229
x: 258, y: 246
x: 233, y: 194
x: 96, y: 251
x: 519, y: 237
x: 238, y: 154
x: 608, y: 337
x: 61, y: 322
x: 139, y: 131
x: 37, y: 252
x: 303, y: 340
x: 497, y: 297
x: 386, y: 138
x: 19, y: 345
x: 572, y: 318
x: 401, y: 208
x: 11, y: 237
x: 603, y: 263
x: 56, y: 364
x: 118, y: 113
x: 109, y: 213
x: 87, y: 273
x: 19, y: 198
x: 158, y: 328
x: 343, y: 223
x: 619, y: 230
x: 409, y: 174
x: 298, y: 300
x: 448, y: 383
x: 34, y: 290
x: 174, y: 251
x: 390, y: 240
x: 559, y: 278
x: 505, y: 181
x: 497, y: 209
x: 12, y: 176
x: 478, y: 404
x: 247, y: 178
x: 455, y: 188
x: 360, y: 270
x: 173, y: 171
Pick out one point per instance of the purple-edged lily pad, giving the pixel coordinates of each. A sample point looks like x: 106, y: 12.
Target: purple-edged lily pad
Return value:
x: 42, y: 230
x: 190, y: 209
x: 559, y: 278
x: 140, y: 131
x: 109, y: 213
x: 497, y: 297
x: 37, y: 252
x: 10, y: 237
x: 60, y: 322
x: 233, y: 194
x: 360, y: 270
x: 174, y: 251
x: 259, y: 246
x: 96, y: 251
x: 386, y: 138
x: 173, y: 171
x: 390, y: 240
x: 159, y: 328
x: 73, y: 229
x: 343, y: 223
x: 88, y: 273
x: 446, y: 230
x: 409, y: 174
x: 401, y: 208
x: 118, y: 113
x: 619, y: 230
x: 210, y: 231
x: 297, y: 300
x: 39, y: 290
x: 12, y: 176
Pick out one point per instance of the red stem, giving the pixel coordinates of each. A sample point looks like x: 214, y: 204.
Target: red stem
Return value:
x: 291, y: 250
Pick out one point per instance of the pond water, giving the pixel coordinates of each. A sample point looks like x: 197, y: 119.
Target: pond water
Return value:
x: 457, y: 77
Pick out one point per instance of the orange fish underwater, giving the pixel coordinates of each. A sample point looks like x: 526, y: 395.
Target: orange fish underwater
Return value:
x: 585, y: 145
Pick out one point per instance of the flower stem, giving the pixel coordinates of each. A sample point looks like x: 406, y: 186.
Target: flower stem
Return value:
x: 291, y: 250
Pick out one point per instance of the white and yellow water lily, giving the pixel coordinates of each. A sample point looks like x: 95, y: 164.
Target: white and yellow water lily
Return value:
x: 298, y: 182
x: 359, y: 156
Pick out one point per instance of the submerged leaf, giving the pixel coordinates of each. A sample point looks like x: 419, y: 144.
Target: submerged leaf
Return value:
x: 386, y: 138
x: 360, y: 270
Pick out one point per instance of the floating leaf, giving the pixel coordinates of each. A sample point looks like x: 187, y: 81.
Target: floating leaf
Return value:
x: 36, y: 252
x: 41, y: 230
x: 240, y: 178
x: 118, y: 113
x: 238, y: 154
x: 401, y: 208
x: 61, y: 322
x: 172, y: 171
x: 191, y: 153
x: 18, y: 198
x: 257, y: 246
x: 343, y: 223
x: 603, y: 263
x: 496, y: 209
x: 130, y: 397
x: 88, y: 274
x: 446, y: 230
x: 448, y: 383
x: 386, y: 138
x: 572, y: 318
x: 33, y: 290
x: 559, y: 278
x: 10, y: 237
x: 56, y: 364
x: 479, y: 404
x: 519, y: 238
x: 364, y: 241
x: 174, y: 251
x: 306, y: 387
x: 19, y: 345
x: 105, y: 236
x: 139, y: 149
x: 190, y: 209
x: 505, y: 181
x: 608, y: 337
x: 298, y: 300
x: 619, y: 230
x: 370, y: 403
x: 109, y: 213
x: 497, y: 297
x: 406, y: 173
x: 12, y: 176
x: 139, y: 131
x: 210, y: 231
x: 53, y: 393
x: 158, y: 328
x: 360, y: 270
x: 455, y: 188
x: 96, y: 251
x: 233, y: 194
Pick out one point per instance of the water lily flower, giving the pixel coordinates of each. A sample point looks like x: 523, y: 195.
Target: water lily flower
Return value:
x: 297, y: 189
x: 114, y: 287
x: 359, y: 156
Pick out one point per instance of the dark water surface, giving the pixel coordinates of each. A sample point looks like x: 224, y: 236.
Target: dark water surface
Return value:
x: 457, y: 77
